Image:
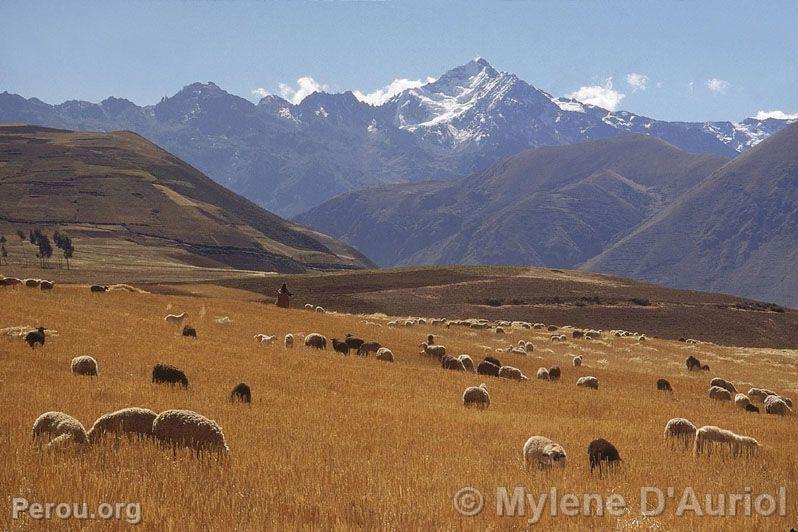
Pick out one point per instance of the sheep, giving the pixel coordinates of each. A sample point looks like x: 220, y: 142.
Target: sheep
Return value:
x: 164, y: 373
x: 511, y: 373
x: 223, y: 320
x: 642, y: 338
x: 476, y: 396
x: 316, y: 341
x: 528, y: 347
x: 720, y: 394
x: 84, y: 365
x: 723, y: 383
x: 499, y: 330
x: 175, y: 319
x: 354, y: 342
x: 449, y: 362
x: 693, y: 364
x: 704, y: 367
x: 52, y: 425
x: 185, y: 428
x: 552, y: 328
x: 47, y: 285
x: 340, y: 347
x: 309, y: 307
x: 241, y: 392
x: 710, y: 436
x: 577, y: 334
x: 493, y: 360
x: 126, y: 422
x: 588, y: 382
x: 680, y: 429
x: 467, y: 361
x: 437, y: 351
x: 558, y: 338
x: 289, y: 341
x: 577, y: 361
x: 384, y: 354
x: 543, y: 374
x: 543, y: 452
x: 265, y: 338
x: 320, y: 310
x: 751, y: 408
x: 742, y: 400
x: 32, y: 283
x: 664, y: 385
x: 776, y: 405
x: 189, y: 332
x: 98, y: 288
x: 488, y: 368
x: 760, y: 393
x: 34, y: 337
x: 592, y: 335
x: 368, y: 347
x: 554, y: 373
x: 602, y: 453
x: 10, y: 281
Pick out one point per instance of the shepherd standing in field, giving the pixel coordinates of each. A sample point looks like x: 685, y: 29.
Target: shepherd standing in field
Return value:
x: 283, y: 297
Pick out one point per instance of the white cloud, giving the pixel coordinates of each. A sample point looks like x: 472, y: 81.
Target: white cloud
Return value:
x: 637, y: 81
x: 717, y: 85
x: 260, y: 92
x: 779, y: 115
x: 384, y: 94
x: 305, y: 86
x: 691, y: 87
x: 600, y: 95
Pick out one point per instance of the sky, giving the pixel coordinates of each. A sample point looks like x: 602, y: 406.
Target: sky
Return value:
x: 672, y: 60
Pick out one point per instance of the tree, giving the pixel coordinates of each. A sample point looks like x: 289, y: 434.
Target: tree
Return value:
x: 45, y: 248
x: 3, y: 252
x: 64, y: 243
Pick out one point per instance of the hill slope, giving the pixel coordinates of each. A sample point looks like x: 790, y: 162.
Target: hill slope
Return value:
x: 555, y: 206
x: 120, y: 188
x: 736, y: 232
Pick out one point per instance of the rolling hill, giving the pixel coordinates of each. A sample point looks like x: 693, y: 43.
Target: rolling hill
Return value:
x: 124, y: 200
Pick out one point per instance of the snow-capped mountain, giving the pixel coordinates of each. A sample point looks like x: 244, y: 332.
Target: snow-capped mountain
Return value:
x: 291, y: 157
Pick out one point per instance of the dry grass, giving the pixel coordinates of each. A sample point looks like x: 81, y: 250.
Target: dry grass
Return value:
x: 339, y: 443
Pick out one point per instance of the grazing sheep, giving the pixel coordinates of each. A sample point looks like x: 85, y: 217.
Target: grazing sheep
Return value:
x: 528, y: 347
x: 47, y: 285
x: 84, y: 365
x: 189, y: 331
x: 776, y: 405
x: 289, y: 341
x: 577, y: 361
x: 751, y: 408
x: 554, y: 373
x: 602, y: 453
x: 52, y: 425
x: 316, y: 341
x: 705, y: 367
x: 10, y: 281
x: 543, y: 374
x: 241, y: 393
x: 126, y: 422
x: 558, y: 338
x: 493, y: 360
x: 499, y: 330
x: 511, y: 373
x: 176, y: 319
x: 320, y: 310
x: 353, y: 342
x: 679, y: 428
x: 96, y: 288
x: 552, y: 328
x: 368, y: 347
x: 340, y: 347
x: 266, y: 339
x: 449, y: 362
x: 742, y: 400
x: 664, y: 385
x: 720, y: 394
x: 577, y: 334
x: 760, y: 393
x: 543, y: 452
x: 693, y: 364
x: 588, y: 382
x: 467, y: 361
x: 476, y: 396
x: 309, y: 307
x: 166, y: 374
x: 384, y: 354
x: 723, y: 383
x: 437, y: 351
x: 32, y: 283
x: 35, y: 337
x: 223, y: 320
x: 488, y: 368
x: 185, y: 428
x: 711, y: 436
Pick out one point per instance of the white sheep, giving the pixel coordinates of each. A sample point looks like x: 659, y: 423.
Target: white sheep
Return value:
x: 84, y: 365
x: 742, y: 400
x: 511, y: 373
x: 476, y: 396
x: 126, y: 422
x: 723, y: 383
x: 543, y: 452
x: 320, y: 310
x: 435, y: 350
x: 776, y: 405
x: 176, y: 319
x: 309, y: 307
x: 58, y: 425
x: 289, y: 341
x: 577, y: 361
x: 710, y: 436
x: 316, y: 341
x: 680, y: 429
x: 467, y: 361
x: 223, y: 320
x: 266, y: 339
x: 185, y: 428
x: 543, y: 374
x: 588, y: 382
x: 384, y: 354
x: 720, y: 394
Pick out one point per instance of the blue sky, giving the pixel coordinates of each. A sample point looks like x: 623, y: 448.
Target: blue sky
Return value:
x: 687, y: 60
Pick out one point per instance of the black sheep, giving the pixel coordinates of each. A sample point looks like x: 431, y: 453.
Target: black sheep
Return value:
x: 600, y: 451
x: 488, y: 368
x: 353, y: 342
x: 693, y: 364
x: 241, y: 392
x: 554, y: 373
x: 339, y: 346
x: 189, y: 331
x: 166, y: 374
x: 493, y: 360
x: 751, y: 408
x: 664, y: 385
x: 35, y: 337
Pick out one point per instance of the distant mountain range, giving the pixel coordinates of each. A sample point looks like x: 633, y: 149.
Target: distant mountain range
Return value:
x: 289, y: 158
x: 632, y: 205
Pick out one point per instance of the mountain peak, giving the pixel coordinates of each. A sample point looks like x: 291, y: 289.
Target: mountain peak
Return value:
x: 463, y: 74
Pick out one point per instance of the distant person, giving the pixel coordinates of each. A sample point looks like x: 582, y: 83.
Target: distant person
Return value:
x: 284, y: 297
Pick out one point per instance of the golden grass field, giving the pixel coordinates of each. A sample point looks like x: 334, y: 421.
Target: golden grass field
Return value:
x: 339, y: 443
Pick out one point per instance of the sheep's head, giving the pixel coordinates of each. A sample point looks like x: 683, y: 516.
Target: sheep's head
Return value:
x: 553, y: 453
